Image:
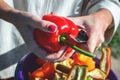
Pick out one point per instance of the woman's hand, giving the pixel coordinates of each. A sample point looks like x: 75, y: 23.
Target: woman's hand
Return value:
x: 95, y: 26
x: 26, y: 23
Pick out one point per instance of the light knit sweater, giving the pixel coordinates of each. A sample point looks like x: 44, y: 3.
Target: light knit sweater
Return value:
x: 12, y: 46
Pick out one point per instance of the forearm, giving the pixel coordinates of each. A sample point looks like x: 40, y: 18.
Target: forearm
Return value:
x: 6, y: 12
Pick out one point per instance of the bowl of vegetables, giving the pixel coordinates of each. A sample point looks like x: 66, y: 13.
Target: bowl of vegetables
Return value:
x: 78, y: 67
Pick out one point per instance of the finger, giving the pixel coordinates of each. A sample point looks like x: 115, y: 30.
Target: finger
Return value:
x: 55, y: 56
x: 97, y: 47
x: 94, y: 42
x: 46, y: 26
x: 66, y: 54
x: 100, y: 41
x: 38, y: 51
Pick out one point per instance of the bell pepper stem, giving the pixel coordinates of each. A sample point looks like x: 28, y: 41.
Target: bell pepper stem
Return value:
x: 64, y: 39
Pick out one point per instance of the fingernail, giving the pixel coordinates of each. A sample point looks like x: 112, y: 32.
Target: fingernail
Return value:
x: 51, y: 28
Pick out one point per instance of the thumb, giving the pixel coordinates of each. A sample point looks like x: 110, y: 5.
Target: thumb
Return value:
x: 48, y: 26
x: 92, y: 42
x: 51, y: 28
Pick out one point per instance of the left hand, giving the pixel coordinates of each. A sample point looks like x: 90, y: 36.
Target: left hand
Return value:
x: 26, y: 23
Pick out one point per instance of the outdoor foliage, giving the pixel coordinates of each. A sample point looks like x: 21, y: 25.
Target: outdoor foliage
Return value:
x: 115, y: 44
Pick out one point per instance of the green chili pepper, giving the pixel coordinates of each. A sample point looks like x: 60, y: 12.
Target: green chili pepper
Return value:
x: 78, y: 73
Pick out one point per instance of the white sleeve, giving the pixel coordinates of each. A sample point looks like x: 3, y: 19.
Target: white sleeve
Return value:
x: 114, y: 7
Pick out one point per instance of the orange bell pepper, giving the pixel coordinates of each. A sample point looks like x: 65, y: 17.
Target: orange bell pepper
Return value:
x: 84, y: 60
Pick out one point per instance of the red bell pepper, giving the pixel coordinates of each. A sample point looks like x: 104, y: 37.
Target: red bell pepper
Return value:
x: 50, y: 41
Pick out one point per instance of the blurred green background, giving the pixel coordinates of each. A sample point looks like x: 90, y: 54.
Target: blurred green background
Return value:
x: 115, y: 44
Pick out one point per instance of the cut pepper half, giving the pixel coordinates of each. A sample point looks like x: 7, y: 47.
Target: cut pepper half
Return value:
x: 105, y: 61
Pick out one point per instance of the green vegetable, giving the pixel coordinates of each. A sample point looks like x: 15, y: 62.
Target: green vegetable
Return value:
x: 59, y: 76
x: 78, y: 73
x: 89, y: 78
x: 62, y: 69
x: 105, y: 61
